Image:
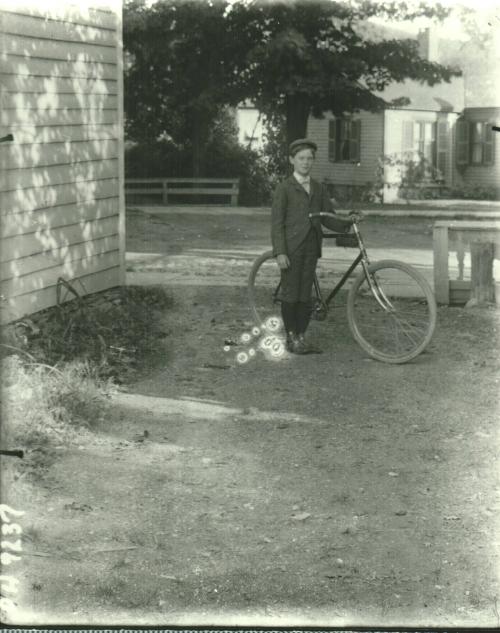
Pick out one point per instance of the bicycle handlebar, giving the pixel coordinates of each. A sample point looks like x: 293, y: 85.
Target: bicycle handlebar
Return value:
x: 356, y: 217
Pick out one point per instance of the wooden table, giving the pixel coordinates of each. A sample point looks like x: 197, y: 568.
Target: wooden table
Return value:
x: 484, y: 238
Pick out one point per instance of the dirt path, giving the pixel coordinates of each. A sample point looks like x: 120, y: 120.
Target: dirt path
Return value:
x: 326, y: 490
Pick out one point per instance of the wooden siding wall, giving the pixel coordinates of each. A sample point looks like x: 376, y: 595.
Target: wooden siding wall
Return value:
x: 487, y: 175
x: 371, y: 148
x: 61, y: 188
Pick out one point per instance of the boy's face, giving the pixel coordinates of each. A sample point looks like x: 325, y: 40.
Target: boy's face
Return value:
x: 303, y: 161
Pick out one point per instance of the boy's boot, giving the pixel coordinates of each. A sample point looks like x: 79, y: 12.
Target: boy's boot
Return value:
x: 304, y: 347
x: 292, y: 342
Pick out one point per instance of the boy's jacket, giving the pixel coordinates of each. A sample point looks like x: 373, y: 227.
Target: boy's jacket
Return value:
x: 290, y: 223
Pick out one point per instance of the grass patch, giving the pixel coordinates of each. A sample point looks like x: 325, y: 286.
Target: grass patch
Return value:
x: 67, y: 361
x: 43, y: 407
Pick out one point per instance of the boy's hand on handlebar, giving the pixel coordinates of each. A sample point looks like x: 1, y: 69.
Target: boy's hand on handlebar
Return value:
x: 283, y: 261
x: 355, y: 216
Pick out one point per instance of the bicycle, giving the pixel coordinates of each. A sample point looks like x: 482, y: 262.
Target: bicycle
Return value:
x: 391, y: 310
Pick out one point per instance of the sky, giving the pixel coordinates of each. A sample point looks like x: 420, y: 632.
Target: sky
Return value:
x: 452, y: 26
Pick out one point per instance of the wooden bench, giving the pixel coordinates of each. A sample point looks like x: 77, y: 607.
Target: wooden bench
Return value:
x: 484, y: 240
x: 167, y: 187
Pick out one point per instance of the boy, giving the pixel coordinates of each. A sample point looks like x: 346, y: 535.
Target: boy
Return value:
x: 296, y: 240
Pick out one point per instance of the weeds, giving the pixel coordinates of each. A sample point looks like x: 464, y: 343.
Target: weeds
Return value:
x: 64, y: 362
x: 41, y: 405
x: 115, y: 332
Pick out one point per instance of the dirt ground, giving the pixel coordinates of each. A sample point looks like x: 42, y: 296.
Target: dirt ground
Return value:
x: 326, y: 490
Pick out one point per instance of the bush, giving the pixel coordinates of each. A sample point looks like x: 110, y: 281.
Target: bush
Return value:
x: 115, y: 332
x: 474, y: 192
x: 226, y: 160
x: 156, y: 160
x: 345, y: 195
x: 224, y: 157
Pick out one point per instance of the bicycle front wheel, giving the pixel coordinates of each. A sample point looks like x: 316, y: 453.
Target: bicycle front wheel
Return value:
x: 264, y: 288
x: 392, y: 318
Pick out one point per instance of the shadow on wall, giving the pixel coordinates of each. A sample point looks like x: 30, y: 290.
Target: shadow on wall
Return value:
x: 60, y: 190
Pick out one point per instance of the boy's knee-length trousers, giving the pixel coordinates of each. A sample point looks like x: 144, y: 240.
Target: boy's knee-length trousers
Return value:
x: 297, y: 280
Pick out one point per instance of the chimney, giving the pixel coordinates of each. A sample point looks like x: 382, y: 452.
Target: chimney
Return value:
x: 428, y: 44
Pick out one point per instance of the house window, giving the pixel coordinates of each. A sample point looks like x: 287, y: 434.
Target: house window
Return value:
x: 427, y: 143
x: 344, y: 136
x: 419, y: 141
x: 474, y: 143
x: 481, y: 144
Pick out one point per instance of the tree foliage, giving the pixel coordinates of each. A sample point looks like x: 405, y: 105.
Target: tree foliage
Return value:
x: 313, y: 57
x: 182, y: 70
x: 292, y: 58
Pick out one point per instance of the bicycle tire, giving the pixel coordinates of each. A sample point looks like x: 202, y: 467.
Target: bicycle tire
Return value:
x: 263, y: 282
x: 406, y: 334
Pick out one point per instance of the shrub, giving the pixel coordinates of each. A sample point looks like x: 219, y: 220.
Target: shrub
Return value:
x: 474, y: 192
x: 115, y: 332
x: 226, y: 160
x: 156, y: 160
x: 345, y: 195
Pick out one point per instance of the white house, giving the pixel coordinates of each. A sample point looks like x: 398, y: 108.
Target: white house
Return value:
x: 457, y: 142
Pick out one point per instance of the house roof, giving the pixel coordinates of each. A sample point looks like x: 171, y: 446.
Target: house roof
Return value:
x: 442, y: 97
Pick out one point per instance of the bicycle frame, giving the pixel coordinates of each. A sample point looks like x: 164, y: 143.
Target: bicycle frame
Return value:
x: 362, y: 257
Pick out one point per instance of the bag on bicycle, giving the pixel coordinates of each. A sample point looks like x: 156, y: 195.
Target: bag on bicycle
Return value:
x: 338, y: 225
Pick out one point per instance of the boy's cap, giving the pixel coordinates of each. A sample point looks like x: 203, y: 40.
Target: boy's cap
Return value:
x: 301, y: 143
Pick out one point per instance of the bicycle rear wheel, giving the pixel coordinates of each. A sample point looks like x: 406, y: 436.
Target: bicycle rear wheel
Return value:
x: 263, y: 288
x: 400, y: 329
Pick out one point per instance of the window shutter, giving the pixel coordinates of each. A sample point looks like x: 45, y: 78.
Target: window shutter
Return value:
x: 462, y: 142
x: 442, y: 147
x: 407, y: 140
x: 341, y: 135
x: 488, y: 153
x: 332, y: 140
x: 355, y: 141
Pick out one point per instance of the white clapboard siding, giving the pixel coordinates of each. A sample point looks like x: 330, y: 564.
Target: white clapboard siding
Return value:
x: 53, y: 217
x: 27, y: 47
x: 84, y: 171
x: 48, y: 68
x: 20, y: 305
x: 56, y: 195
x: 57, y: 101
x: 57, y: 117
x: 47, y: 239
x: 40, y: 28
x: 28, y: 84
x: 69, y: 270
x: 38, y: 155
x: 29, y: 134
x: 61, y: 184
x: 56, y: 257
x: 104, y: 16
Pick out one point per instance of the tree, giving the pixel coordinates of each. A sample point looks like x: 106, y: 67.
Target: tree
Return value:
x: 188, y: 59
x: 311, y: 56
x: 182, y: 63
